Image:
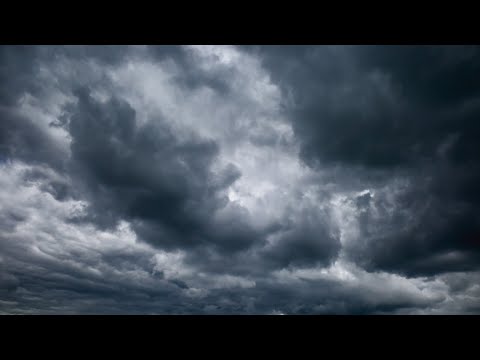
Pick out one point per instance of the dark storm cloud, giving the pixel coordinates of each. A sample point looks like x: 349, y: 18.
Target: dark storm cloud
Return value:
x: 422, y: 235
x: 21, y: 61
x: 404, y: 101
x: 23, y: 139
x: 114, y: 157
x: 395, y: 110
x: 303, y: 242
x: 432, y: 76
x: 52, y: 286
x: 110, y: 207
x: 146, y: 174
x: 21, y: 65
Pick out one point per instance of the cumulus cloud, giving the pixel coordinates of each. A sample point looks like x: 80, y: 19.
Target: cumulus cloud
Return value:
x: 402, y: 118
x: 223, y: 179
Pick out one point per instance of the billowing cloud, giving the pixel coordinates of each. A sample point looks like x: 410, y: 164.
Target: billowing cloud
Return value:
x: 403, y: 119
x: 222, y: 179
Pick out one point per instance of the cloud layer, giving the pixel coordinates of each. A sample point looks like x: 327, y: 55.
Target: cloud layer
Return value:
x: 245, y: 180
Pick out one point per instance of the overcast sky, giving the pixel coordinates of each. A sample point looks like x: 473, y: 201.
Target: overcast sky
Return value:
x: 239, y: 180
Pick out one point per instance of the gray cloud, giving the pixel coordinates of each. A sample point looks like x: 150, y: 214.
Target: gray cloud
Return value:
x: 394, y: 112
x: 213, y: 180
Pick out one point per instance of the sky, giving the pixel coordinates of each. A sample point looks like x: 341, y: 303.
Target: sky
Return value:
x: 269, y: 180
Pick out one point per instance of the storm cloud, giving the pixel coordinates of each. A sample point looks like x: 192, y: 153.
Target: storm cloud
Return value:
x: 244, y: 180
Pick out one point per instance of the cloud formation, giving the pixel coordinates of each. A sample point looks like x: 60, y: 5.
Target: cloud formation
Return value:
x: 246, y: 180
